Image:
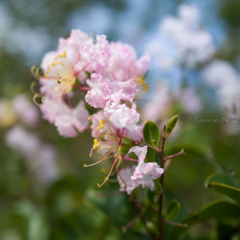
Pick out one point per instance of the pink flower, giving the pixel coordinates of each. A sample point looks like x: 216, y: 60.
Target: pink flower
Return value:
x: 99, y: 94
x: 52, y: 110
x: 26, y: 110
x: 120, y: 115
x: 99, y: 55
x: 26, y: 144
x: 145, y: 172
x: 123, y: 63
x: 73, y: 121
x: 102, y: 88
x: 125, y: 181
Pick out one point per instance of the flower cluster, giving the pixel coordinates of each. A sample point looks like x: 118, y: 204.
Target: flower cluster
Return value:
x: 17, y: 115
x: 181, y: 40
x: 100, y: 69
x: 111, y: 76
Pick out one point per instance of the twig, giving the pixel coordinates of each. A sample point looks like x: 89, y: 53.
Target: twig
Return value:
x: 185, y: 225
x: 143, y: 205
x: 161, y: 195
x: 174, y: 155
x: 154, y: 148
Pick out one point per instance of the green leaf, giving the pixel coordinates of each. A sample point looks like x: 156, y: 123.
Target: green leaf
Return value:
x: 150, y: 155
x: 173, y: 209
x: 88, y: 74
x: 151, y: 133
x: 227, y: 190
x: 224, y: 230
x: 225, y: 184
x: 170, y: 125
x: 224, y: 178
x: 215, y: 210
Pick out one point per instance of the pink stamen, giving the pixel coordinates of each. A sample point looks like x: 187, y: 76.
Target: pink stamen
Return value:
x: 109, y: 172
x: 131, y: 159
x: 68, y: 101
x: 129, y: 164
x: 121, y: 137
x: 82, y: 69
x: 82, y: 88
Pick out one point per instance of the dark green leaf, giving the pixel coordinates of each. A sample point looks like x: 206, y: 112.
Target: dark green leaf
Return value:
x: 215, y: 210
x: 151, y: 133
x: 231, y: 192
x: 150, y: 155
x: 224, y: 178
x: 173, y: 209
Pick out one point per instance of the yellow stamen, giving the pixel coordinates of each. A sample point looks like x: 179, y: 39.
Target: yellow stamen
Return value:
x: 95, y: 143
x: 37, y: 95
x: 142, y: 81
x: 33, y: 84
x: 37, y: 73
x: 101, y: 124
x: 54, y: 63
x: 63, y: 55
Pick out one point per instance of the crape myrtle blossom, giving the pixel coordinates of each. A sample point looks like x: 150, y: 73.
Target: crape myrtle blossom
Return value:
x: 103, y: 88
x: 67, y: 120
x: 181, y: 40
x: 125, y: 181
x: 100, y: 69
x: 26, y: 111
x: 218, y: 74
x: 115, y: 129
x: 18, y: 108
x: 40, y: 158
x: 222, y: 77
x: 143, y: 174
x: 164, y: 99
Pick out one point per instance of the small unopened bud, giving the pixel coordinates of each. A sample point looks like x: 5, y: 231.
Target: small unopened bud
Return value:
x: 167, y: 129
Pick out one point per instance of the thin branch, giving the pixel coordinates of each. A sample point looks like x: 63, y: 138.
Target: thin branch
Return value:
x: 161, y: 195
x: 175, y: 155
x: 125, y: 228
x: 185, y: 225
x: 154, y: 148
x: 143, y: 205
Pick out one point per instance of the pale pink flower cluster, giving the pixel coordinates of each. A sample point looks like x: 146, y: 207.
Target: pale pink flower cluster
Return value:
x: 40, y: 157
x: 20, y: 108
x: 111, y: 75
x: 108, y: 73
x: 181, y: 40
x: 143, y: 174
x: 164, y: 98
x: 222, y: 77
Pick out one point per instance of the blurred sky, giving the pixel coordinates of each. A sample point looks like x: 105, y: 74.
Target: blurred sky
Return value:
x: 136, y: 23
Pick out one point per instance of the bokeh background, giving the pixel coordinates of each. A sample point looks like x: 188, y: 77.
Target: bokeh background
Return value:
x: 45, y: 193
